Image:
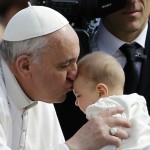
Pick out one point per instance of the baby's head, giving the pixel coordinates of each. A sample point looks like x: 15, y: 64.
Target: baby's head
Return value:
x: 99, y: 75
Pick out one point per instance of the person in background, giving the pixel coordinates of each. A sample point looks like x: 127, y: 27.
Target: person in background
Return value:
x: 101, y: 88
x: 9, y: 8
x: 128, y: 25
x: 38, y: 66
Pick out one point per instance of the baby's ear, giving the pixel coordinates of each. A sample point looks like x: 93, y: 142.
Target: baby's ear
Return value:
x: 102, y: 90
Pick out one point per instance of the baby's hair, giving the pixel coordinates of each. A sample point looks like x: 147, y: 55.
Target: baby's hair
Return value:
x: 100, y: 67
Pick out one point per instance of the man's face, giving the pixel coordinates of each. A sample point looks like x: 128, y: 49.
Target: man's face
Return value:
x: 132, y: 18
x: 53, y: 76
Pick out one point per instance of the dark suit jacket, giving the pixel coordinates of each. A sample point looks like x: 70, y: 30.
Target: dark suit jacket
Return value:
x: 144, y: 85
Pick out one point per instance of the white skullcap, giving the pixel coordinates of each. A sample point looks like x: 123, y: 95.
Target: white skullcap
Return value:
x: 33, y: 21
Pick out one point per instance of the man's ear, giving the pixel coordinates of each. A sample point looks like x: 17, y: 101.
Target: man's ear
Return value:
x: 102, y: 90
x: 22, y: 64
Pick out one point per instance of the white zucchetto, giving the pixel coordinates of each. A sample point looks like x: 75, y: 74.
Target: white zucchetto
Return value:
x: 33, y: 21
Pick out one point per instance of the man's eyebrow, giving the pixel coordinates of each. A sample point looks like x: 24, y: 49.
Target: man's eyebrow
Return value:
x: 69, y: 60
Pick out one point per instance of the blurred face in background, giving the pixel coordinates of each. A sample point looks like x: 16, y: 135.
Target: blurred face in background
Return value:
x: 130, y: 20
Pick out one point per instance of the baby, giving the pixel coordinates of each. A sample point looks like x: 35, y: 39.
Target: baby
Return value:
x: 99, y: 85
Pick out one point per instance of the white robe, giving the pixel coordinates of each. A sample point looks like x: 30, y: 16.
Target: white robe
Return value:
x: 135, y: 111
x: 26, y: 124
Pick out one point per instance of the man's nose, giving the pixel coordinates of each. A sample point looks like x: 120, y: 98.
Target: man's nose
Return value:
x: 72, y: 72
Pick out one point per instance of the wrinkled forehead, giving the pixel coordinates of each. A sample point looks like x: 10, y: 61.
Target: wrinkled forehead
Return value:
x: 62, y: 45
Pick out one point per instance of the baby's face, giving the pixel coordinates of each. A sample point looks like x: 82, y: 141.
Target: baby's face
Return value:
x: 85, y: 93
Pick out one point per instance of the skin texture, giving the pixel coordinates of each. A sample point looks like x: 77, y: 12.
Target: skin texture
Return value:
x: 101, y: 81
x: 127, y: 23
x: 88, y: 89
x: 52, y: 77
x: 97, y: 134
x: 89, y: 93
x: 85, y: 92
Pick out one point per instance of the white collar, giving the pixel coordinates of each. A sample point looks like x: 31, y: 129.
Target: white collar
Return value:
x: 106, y: 41
x: 14, y: 90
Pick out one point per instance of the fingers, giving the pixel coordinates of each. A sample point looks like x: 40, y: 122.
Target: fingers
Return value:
x: 122, y: 134
x: 118, y: 132
x: 112, y: 111
x: 115, y: 121
x: 113, y: 140
x: 118, y: 121
x: 95, y: 134
x: 116, y: 138
x: 113, y: 131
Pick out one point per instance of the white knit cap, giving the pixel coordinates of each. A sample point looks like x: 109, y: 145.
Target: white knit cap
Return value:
x: 33, y: 21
